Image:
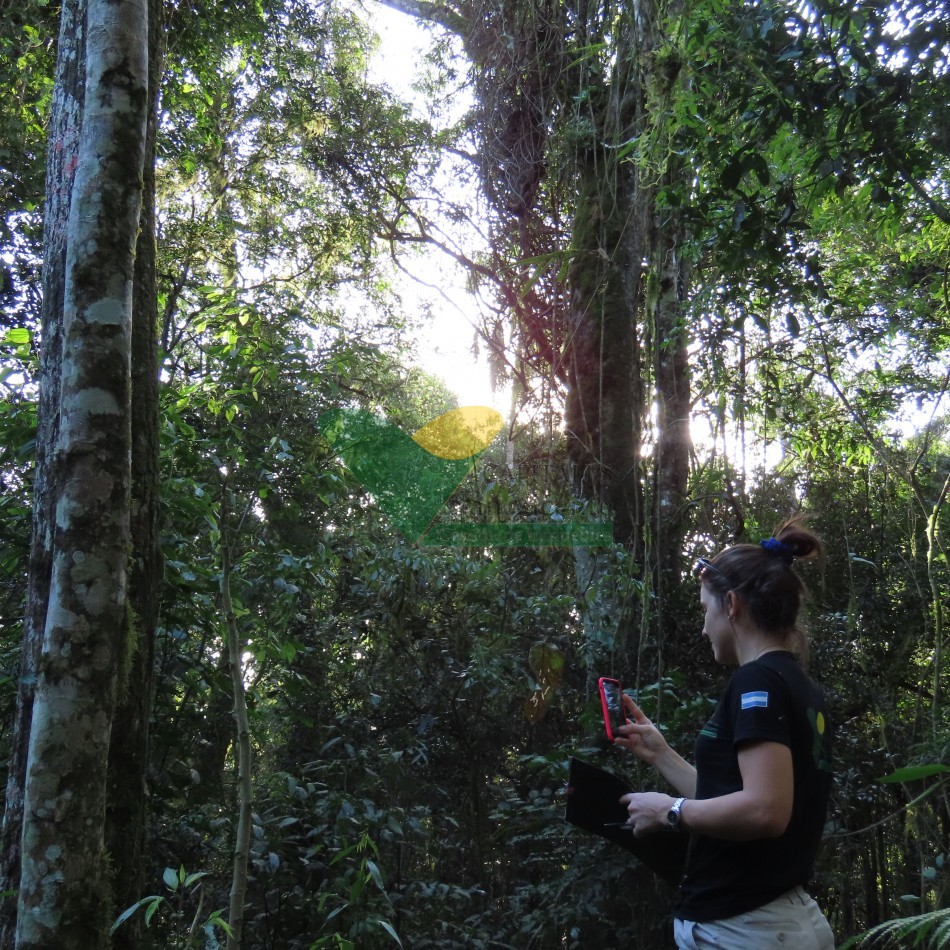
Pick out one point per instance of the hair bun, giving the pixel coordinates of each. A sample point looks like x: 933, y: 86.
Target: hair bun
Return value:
x: 795, y: 537
x: 779, y: 549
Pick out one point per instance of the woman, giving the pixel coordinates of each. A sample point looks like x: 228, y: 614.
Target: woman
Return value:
x: 755, y: 803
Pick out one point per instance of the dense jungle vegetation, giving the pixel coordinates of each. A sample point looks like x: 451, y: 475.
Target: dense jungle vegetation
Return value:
x: 707, y: 244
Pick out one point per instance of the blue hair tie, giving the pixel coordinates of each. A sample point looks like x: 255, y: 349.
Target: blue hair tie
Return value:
x: 779, y: 548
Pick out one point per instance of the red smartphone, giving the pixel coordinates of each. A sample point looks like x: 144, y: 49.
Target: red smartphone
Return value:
x: 611, y: 700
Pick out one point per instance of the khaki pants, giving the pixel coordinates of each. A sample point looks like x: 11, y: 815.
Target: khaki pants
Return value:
x: 790, y: 922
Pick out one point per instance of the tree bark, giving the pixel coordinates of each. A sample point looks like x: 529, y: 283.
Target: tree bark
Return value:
x: 611, y: 240
x: 439, y: 13
x: 242, y: 751
x: 672, y: 373
x: 62, y: 158
x: 129, y: 745
x: 64, y: 897
x: 673, y: 438
x: 603, y: 411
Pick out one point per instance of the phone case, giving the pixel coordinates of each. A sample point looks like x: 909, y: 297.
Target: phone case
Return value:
x: 611, y: 702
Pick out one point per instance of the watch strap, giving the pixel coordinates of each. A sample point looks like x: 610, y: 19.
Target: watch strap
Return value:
x: 675, y: 815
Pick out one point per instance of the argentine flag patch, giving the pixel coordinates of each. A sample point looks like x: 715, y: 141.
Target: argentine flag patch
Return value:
x: 758, y: 700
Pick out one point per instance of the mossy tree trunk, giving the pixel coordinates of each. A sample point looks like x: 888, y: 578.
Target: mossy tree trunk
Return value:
x: 129, y: 745
x: 604, y: 407
x: 64, y: 897
x: 64, y: 124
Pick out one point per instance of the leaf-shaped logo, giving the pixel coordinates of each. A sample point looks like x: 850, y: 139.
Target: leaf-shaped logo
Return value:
x: 411, y: 476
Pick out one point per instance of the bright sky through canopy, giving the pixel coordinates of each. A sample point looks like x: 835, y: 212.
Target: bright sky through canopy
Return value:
x: 444, y: 347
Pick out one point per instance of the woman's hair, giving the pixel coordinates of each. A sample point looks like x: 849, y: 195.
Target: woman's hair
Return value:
x: 764, y: 577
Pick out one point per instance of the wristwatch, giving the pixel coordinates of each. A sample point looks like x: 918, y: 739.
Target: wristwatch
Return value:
x: 674, y: 816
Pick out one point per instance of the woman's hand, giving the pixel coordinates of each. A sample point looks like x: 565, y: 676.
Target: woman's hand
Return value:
x: 648, y: 811
x: 640, y: 736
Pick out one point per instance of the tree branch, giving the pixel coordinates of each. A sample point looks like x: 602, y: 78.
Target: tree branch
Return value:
x: 438, y: 13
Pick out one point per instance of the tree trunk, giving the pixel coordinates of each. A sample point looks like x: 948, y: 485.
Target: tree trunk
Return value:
x: 669, y: 331
x: 604, y: 405
x: 129, y: 747
x: 242, y: 752
x: 672, y: 372
x: 64, y: 889
x: 611, y: 240
x: 62, y: 156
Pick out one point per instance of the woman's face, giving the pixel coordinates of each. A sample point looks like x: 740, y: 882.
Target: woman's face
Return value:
x: 718, y: 627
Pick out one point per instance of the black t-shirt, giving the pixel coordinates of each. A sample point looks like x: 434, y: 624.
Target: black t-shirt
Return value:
x: 773, y: 699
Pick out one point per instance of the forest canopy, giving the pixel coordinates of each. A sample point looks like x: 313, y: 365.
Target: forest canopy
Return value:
x: 704, y: 248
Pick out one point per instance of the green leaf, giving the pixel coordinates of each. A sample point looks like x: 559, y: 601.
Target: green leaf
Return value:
x: 388, y: 927
x: 216, y: 920
x: 150, y: 910
x: 376, y: 875
x: 129, y: 911
x: 913, y: 773
x: 733, y: 172
x: 170, y: 877
x: 18, y: 336
x: 760, y: 167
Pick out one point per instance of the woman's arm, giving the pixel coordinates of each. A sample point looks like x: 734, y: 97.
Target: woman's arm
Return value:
x: 762, y: 809
x: 644, y: 740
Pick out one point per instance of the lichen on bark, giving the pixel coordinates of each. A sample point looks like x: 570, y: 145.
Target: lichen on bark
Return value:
x: 63, y: 897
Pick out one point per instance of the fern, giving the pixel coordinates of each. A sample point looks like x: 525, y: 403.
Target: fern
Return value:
x: 930, y: 930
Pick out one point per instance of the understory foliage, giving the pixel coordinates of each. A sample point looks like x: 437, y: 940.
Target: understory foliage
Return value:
x: 412, y: 708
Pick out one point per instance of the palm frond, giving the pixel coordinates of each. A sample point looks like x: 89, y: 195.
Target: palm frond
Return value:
x: 930, y: 931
